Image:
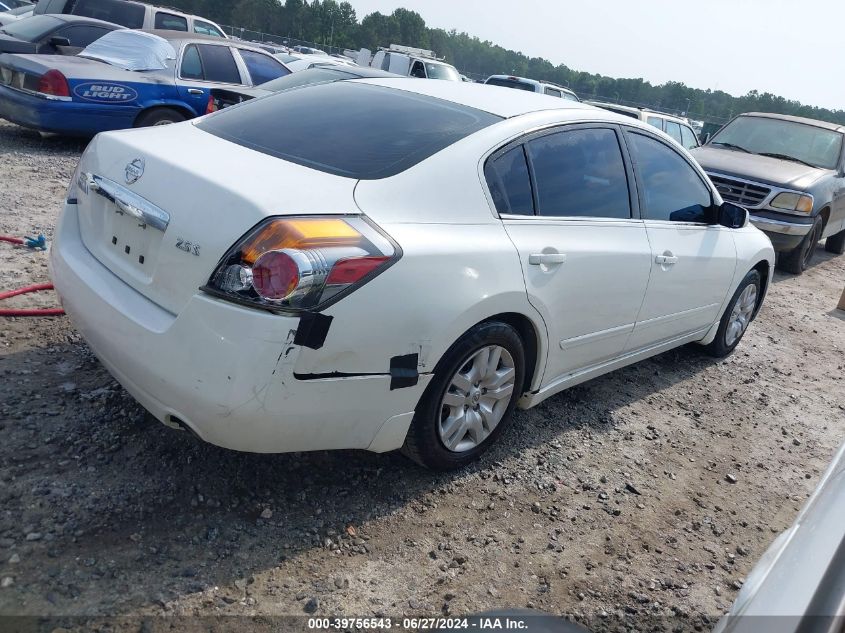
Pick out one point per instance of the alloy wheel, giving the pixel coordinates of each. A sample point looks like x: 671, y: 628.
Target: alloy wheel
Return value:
x: 477, y: 398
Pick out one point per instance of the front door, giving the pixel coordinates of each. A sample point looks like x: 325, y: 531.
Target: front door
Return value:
x: 564, y: 198
x: 693, y: 261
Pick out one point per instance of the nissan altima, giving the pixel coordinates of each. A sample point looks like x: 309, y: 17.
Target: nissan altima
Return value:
x: 387, y: 263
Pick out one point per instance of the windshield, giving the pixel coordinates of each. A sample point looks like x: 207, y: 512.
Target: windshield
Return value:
x: 762, y: 135
x: 32, y: 29
x: 441, y: 71
x: 510, y: 83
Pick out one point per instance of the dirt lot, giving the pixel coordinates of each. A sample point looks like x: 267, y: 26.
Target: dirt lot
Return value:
x: 610, y: 501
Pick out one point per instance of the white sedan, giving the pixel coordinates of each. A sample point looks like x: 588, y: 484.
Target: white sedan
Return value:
x: 383, y: 264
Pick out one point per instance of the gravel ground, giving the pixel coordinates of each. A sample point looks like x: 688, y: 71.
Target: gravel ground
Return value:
x: 650, y: 491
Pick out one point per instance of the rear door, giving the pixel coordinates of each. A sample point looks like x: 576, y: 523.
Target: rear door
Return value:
x: 203, y: 67
x: 564, y: 199
x: 693, y: 261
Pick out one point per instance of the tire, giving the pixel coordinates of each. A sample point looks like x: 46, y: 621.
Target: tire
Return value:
x: 740, y: 305
x: 159, y: 116
x: 425, y: 443
x: 798, y: 260
x: 835, y: 243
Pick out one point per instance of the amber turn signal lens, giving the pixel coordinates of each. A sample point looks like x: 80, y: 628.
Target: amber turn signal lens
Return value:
x: 300, y: 234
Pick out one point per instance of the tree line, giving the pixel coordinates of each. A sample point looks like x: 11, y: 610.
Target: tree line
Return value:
x: 332, y: 23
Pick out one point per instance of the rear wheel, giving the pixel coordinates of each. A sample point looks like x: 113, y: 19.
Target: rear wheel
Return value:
x: 159, y: 116
x: 470, y: 400
x: 798, y: 260
x: 835, y: 243
x: 737, y: 317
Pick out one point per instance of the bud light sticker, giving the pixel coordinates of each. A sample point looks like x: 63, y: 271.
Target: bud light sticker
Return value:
x: 103, y: 92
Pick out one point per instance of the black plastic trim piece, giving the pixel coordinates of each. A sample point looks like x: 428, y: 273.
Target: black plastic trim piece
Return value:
x: 403, y: 371
x: 333, y: 374
x: 313, y: 330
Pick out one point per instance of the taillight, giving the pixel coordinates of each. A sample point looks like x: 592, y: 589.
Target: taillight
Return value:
x: 302, y: 263
x: 212, y: 105
x: 54, y: 84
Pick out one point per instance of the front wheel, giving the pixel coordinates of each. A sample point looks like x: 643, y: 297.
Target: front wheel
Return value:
x: 835, y: 243
x: 470, y: 400
x: 737, y: 316
x: 798, y: 259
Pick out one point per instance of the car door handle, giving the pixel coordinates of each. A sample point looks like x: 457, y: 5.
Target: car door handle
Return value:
x: 194, y: 91
x: 537, y: 259
x: 666, y: 260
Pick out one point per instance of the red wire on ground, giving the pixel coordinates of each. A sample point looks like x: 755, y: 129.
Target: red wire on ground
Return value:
x: 12, y: 240
x: 28, y: 312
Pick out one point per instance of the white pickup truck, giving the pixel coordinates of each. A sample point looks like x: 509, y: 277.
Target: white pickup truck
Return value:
x: 410, y: 62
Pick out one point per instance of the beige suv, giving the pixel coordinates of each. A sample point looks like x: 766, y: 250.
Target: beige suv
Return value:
x: 678, y: 128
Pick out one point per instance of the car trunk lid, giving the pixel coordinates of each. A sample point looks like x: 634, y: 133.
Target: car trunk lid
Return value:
x: 160, y: 216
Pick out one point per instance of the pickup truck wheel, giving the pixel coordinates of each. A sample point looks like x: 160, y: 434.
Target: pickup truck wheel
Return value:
x: 470, y: 400
x: 835, y: 243
x: 737, y: 317
x: 159, y: 116
x: 798, y: 260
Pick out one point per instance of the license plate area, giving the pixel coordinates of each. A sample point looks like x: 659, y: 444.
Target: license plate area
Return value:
x: 129, y: 241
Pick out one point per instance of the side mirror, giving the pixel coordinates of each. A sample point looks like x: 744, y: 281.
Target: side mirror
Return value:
x: 59, y: 41
x: 732, y: 215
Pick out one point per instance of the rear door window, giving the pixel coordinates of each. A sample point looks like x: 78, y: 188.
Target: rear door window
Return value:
x: 656, y: 121
x: 206, y: 28
x: 128, y: 14
x: 673, y: 129
x: 170, y: 22
x: 262, y: 68
x: 510, y: 183
x: 218, y: 64
x: 580, y: 173
x: 552, y: 92
x: 347, y: 128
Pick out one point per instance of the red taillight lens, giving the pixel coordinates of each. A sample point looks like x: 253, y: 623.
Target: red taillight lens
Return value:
x: 212, y: 106
x: 275, y: 275
x: 348, y: 271
x: 302, y: 263
x: 53, y: 83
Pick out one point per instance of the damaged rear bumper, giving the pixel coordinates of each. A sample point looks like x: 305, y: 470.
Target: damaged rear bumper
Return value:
x: 224, y: 371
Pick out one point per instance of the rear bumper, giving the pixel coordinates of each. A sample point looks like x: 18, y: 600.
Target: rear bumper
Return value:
x: 785, y: 235
x: 224, y: 371
x: 62, y: 117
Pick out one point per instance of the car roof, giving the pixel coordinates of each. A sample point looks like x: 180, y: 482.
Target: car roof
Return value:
x: 503, y: 103
x: 633, y: 110
x: 797, y: 119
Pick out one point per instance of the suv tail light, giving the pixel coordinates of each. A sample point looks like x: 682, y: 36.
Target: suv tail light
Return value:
x: 54, y: 84
x: 301, y: 263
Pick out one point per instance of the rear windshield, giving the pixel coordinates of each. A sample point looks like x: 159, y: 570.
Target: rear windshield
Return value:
x: 33, y: 28
x: 511, y: 83
x: 316, y: 75
x: 348, y: 128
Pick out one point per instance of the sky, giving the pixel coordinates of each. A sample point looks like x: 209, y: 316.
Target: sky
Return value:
x: 791, y: 48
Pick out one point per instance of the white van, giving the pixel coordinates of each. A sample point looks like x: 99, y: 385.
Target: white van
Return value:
x: 679, y: 129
